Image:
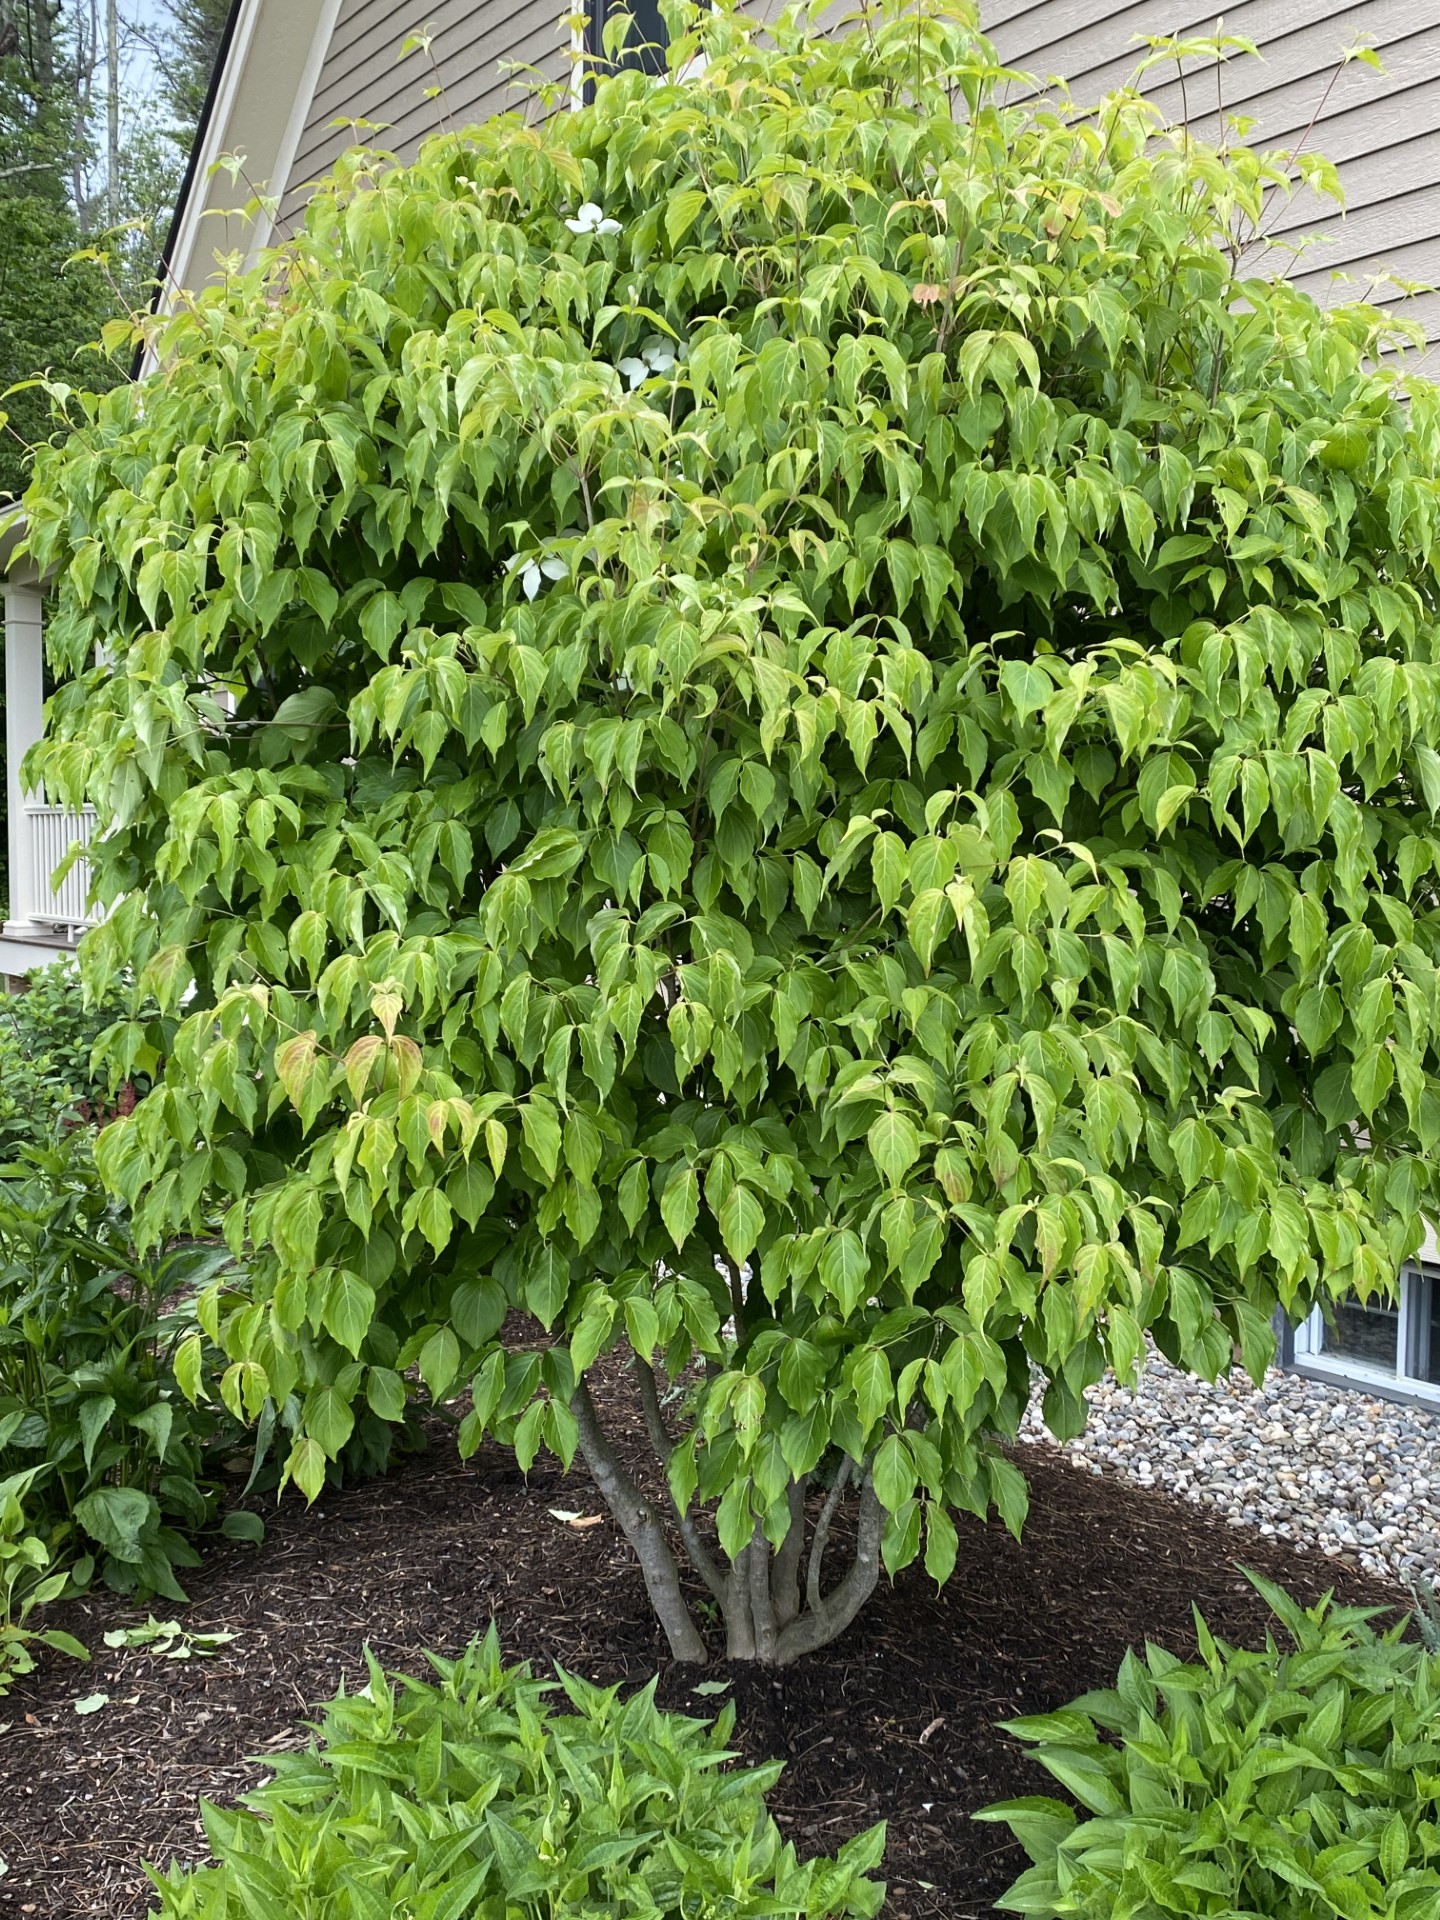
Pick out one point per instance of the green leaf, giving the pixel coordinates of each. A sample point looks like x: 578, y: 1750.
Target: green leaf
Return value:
x: 1028, y: 687
x: 542, y: 1135
x: 306, y: 1466
x: 328, y: 1418
x: 240, y: 1525
x: 890, y: 865
x: 845, y: 1269
x: 872, y: 1385
x: 349, y: 1309
x: 741, y: 1222
x: 385, y: 1392
x: 634, y: 1196
x: 680, y: 1204
x: 477, y: 1310
x: 117, y: 1519
x: 942, y: 1543
x: 895, y: 1146
x: 189, y: 1368
x: 94, y: 1415
x: 547, y: 1284
x: 894, y: 1473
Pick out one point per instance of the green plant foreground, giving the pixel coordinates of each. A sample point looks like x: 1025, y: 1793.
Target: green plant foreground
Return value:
x: 832, y: 773
x: 48, y: 1085
x: 1247, y: 1786
x: 120, y: 1470
x: 471, y: 1795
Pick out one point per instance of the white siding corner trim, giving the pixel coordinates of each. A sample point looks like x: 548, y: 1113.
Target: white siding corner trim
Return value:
x: 263, y: 98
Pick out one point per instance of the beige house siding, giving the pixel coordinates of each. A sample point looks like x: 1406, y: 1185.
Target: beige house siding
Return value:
x: 472, y: 41
x: 1381, y: 129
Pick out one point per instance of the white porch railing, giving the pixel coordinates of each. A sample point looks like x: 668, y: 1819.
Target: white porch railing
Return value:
x: 43, y: 919
x: 52, y: 832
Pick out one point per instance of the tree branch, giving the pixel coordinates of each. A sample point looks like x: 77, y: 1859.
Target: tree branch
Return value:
x: 822, y: 1534
x: 641, y: 1526
x: 762, y: 1605
x: 699, y: 1554
x: 818, y: 1628
x: 785, y: 1575
x: 737, y: 1296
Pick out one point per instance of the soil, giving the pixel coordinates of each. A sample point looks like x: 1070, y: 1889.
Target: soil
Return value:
x: 895, y: 1722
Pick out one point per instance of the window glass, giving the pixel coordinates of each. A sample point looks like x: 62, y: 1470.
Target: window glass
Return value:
x: 1427, y: 1304
x: 1368, y: 1335
x: 646, y: 41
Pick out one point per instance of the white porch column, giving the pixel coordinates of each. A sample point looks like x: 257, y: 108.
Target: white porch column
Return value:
x: 24, y: 723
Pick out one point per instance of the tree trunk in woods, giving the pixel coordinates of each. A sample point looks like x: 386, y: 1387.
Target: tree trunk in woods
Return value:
x: 27, y: 31
x: 771, y: 1600
x: 112, y: 111
x: 40, y: 20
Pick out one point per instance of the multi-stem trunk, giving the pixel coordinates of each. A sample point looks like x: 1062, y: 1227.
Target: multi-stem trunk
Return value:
x: 773, y: 1601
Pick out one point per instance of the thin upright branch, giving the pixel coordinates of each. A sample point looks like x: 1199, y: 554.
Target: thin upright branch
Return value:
x: 762, y: 1602
x: 822, y: 1534
x: 641, y: 1526
x: 785, y: 1572
x: 699, y: 1554
x: 817, y: 1628
x: 737, y: 1295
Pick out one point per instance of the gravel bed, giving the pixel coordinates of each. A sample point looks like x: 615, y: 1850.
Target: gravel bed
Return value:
x: 1328, y: 1468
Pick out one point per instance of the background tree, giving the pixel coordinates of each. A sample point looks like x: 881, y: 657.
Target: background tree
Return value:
x: 70, y: 187
x: 831, y: 790
x: 187, y: 46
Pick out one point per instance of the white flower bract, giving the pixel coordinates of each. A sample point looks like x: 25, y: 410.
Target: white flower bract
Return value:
x: 591, y: 219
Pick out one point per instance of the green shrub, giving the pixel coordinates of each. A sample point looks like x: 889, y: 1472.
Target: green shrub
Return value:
x: 1294, y: 1785
x: 120, y: 1466
x: 27, y: 1581
x: 470, y: 1797
x: 834, y: 730
x: 47, y: 1082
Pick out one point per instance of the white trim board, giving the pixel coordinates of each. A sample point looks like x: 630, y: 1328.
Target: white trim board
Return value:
x: 262, y: 102
x: 299, y: 119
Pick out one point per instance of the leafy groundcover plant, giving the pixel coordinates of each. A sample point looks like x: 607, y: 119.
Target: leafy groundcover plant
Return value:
x: 27, y: 1582
x: 120, y: 1468
x: 1301, y: 1784
x: 794, y: 730
x: 471, y: 1796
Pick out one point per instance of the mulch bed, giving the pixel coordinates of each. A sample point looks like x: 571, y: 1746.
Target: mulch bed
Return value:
x: 896, y: 1721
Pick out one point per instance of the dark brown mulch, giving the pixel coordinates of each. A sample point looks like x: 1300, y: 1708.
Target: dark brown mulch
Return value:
x: 896, y: 1721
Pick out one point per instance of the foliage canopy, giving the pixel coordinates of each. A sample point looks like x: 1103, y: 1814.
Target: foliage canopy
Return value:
x: 832, y: 772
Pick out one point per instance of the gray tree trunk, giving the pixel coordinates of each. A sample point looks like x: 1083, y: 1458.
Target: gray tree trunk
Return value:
x: 772, y: 1600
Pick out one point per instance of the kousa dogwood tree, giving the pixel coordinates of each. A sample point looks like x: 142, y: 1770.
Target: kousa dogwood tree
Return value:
x: 780, y: 738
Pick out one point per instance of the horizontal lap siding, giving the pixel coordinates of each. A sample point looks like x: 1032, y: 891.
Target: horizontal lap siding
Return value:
x: 1381, y: 129
x: 363, y: 79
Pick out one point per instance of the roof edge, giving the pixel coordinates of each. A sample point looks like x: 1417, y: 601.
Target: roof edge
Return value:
x: 197, y: 147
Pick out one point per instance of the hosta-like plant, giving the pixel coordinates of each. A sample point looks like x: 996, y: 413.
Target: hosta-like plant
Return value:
x: 826, y: 777
x: 471, y: 1795
x: 1301, y: 1784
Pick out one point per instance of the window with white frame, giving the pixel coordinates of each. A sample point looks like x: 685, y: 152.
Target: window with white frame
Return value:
x: 1390, y: 1346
